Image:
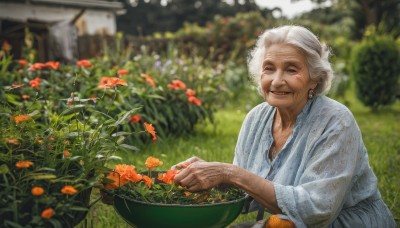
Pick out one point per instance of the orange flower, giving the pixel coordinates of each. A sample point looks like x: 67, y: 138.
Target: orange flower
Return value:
x: 148, y: 181
x: 26, y: 97
x: 23, y: 164
x: 152, y: 162
x: 127, y: 173
x: 68, y: 190
x: 122, y: 72
x: 53, y: 65
x: 168, y: 177
x: 116, y: 181
x: 148, y: 79
x: 84, y: 63
x: 48, y: 213
x: 109, y: 82
x: 37, y: 66
x: 21, y: 118
x: 23, y: 62
x: 12, y: 141
x: 190, y: 93
x: 66, y: 153
x: 17, y: 85
x: 35, y: 83
x: 150, y: 129
x: 176, y: 85
x: 135, y: 119
x: 37, y: 191
x: 194, y: 100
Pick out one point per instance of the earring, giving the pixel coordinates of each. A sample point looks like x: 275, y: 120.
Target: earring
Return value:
x: 310, y: 93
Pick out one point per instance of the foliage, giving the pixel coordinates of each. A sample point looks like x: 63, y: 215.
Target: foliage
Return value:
x: 140, y: 16
x: 158, y: 187
x: 375, y: 68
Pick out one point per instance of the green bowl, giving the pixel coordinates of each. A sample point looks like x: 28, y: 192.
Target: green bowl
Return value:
x: 143, y: 214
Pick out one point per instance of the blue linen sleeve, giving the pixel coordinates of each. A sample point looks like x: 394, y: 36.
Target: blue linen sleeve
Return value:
x: 329, y: 164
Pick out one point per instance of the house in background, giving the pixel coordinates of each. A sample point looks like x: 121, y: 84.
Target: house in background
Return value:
x: 55, y: 25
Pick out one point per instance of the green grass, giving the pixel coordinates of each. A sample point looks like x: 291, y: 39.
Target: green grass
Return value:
x: 381, y: 134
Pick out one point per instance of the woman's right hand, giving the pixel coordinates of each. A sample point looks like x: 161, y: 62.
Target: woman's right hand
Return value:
x: 186, y: 163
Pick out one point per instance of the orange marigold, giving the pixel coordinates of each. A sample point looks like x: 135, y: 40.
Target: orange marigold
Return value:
x: 23, y: 164
x: 127, y: 173
x: 147, y: 180
x: 190, y: 93
x: 135, y: 118
x: 37, y: 191
x: 53, y: 65
x: 116, y: 181
x: 148, y: 79
x: 194, y: 100
x: 48, y: 213
x: 176, y: 85
x: 21, y: 118
x: 37, y: 66
x: 69, y: 190
x: 84, y: 63
x: 150, y: 129
x: 168, y: 177
x: 66, y: 153
x: 152, y: 162
x: 23, y: 62
x: 109, y: 82
x: 35, y: 83
x: 122, y: 72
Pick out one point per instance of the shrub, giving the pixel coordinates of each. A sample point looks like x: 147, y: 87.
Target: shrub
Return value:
x: 375, y: 66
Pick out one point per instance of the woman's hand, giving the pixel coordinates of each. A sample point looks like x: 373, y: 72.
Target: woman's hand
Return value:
x: 202, y: 175
x: 186, y: 163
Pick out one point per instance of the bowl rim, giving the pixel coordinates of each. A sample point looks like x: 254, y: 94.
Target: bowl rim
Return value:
x: 183, y: 205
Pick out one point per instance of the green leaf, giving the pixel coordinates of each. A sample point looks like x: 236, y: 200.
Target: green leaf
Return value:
x: 44, y: 177
x: 74, y: 109
x: 4, y: 169
x: 77, y: 208
x: 129, y: 147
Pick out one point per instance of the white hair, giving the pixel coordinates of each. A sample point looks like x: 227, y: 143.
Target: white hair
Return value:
x: 316, y: 54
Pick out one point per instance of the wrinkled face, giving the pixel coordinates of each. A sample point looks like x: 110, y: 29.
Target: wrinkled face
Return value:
x: 285, y: 79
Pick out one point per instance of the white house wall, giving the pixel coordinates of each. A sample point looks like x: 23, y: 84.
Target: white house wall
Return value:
x: 92, y: 21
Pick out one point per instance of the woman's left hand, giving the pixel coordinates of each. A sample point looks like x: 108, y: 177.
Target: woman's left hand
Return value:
x: 202, y: 175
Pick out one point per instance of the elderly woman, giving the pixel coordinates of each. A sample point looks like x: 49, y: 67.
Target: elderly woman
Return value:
x: 300, y: 154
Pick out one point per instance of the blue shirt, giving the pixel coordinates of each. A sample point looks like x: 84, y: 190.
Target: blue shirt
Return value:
x: 322, y: 176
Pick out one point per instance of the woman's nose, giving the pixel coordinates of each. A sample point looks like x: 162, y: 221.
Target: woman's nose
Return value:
x: 277, y: 79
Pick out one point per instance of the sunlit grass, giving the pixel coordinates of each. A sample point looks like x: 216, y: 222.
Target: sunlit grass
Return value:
x: 381, y: 134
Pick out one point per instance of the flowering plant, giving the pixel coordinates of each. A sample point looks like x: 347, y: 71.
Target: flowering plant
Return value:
x: 158, y: 186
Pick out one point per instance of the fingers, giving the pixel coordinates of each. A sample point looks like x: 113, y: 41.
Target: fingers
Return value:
x: 186, y: 163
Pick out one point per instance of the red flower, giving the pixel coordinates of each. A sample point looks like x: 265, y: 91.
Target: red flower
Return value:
x: 109, y: 82
x: 135, y: 119
x: 190, y: 93
x: 148, y: 79
x: 23, y: 62
x: 176, y: 85
x: 53, y: 65
x: 84, y: 63
x: 35, y: 83
x: 48, y: 213
x: 122, y: 72
x: 150, y: 129
x: 37, y: 66
x: 194, y: 101
x: 37, y: 191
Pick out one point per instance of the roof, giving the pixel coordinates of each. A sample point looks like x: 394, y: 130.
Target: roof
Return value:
x: 94, y: 4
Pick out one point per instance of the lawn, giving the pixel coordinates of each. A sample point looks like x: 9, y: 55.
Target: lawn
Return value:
x: 381, y: 133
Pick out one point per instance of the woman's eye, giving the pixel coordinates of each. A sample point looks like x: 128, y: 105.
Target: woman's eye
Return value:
x: 268, y: 69
x: 291, y: 71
